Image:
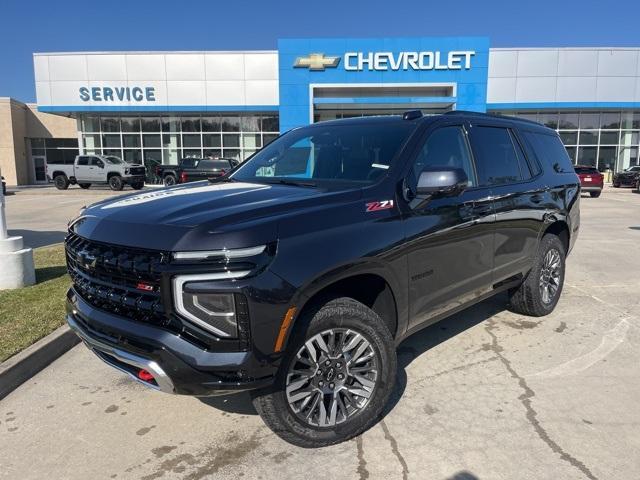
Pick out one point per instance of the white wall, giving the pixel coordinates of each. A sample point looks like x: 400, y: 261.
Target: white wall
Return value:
x: 564, y: 75
x: 179, y: 79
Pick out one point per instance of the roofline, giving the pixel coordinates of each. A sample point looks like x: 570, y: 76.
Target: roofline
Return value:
x: 155, y: 52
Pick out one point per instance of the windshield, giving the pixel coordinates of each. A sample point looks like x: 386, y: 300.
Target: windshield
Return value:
x: 113, y: 160
x: 328, y: 154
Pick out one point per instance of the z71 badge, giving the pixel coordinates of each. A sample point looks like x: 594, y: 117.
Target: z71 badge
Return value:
x: 375, y: 206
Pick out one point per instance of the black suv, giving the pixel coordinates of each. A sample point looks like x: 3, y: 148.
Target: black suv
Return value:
x: 297, y: 275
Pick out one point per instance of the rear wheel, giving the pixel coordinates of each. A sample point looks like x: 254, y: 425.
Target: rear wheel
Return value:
x: 595, y: 194
x: 84, y: 186
x: 615, y: 185
x: 169, y: 180
x: 539, y: 293
x: 115, y: 183
x: 61, y: 182
x: 137, y: 185
x: 336, y: 378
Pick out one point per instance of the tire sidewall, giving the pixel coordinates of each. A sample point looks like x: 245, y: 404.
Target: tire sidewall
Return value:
x: 549, y: 242
x: 115, y: 183
x: 333, y: 315
x: 61, y: 182
x: 169, y: 181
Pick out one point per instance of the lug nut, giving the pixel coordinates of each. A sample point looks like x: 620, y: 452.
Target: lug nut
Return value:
x: 321, y: 383
x: 338, y: 365
x: 340, y: 376
x: 327, y: 363
x: 319, y: 372
x: 331, y: 385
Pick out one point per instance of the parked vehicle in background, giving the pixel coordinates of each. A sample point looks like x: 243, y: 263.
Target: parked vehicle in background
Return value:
x: 628, y: 177
x: 298, y: 274
x: 192, y: 169
x: 97, y: 169
x: 591, y: 180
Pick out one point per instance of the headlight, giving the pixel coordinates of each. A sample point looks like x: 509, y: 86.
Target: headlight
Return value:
x: 215, y: 312
x: 126, y: 171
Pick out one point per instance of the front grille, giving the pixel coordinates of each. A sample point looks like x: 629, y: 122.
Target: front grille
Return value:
x: 118, y: 279
x: 137, y: 171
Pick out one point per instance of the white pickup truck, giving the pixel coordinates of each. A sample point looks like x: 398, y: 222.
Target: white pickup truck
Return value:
x: 97, y: 169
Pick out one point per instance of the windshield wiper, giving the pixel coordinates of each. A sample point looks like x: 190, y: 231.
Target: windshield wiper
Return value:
x: 283, y: 181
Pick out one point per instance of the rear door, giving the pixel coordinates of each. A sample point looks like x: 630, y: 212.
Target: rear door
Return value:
x: 518, y: 192
x: 83, y: 169
x: 449, y: 240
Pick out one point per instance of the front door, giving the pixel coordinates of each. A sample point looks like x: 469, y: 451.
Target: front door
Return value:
x: 40, y: 168
x: 450, y: 240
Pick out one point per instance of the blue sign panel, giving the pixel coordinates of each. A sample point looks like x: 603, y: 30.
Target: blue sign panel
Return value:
x: 461, y: 62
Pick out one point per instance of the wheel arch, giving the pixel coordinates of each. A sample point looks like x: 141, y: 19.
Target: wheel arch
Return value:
x: 113, y: 174
x: 560, y: 228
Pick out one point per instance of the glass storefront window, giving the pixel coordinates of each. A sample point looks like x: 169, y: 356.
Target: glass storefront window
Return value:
x: 569, y: 121
x: 587, y: 156
x: 571, y: 151
x: 131, y: 141
x: 266, y: 139
x: 631, y: 120
x: 192, y: 153
x: 91, y: 141
x: 589, y: 121
x: 211, y: 140
x: 110, y: 124
x: 111, y: 141
x: 132, y: 156
x: 170, y: 156
x: 90, y: 124
x: 251, y: 141
x: 607, y: 158
x: 213, y: 153
x: 250, y: 124
x: 230, y: 153
x: 629, y: 138
x: 609, y: 138
x: 170, y: 124
x: 190, y: 124
x: 588, y: 138
x: 211, y: 124
x: 247, y: 153
x: 191, y: 141
x: 152, y: 141
x: 270, y: 123
x: 230, y: 124
x: 569, y: 138
x: 130, y: 124
x: 610, y: 120
x: 113, y: 152
x: 232, y: 141
x: 150, y: 124
x: 171, y: 140
x: 548, y: 120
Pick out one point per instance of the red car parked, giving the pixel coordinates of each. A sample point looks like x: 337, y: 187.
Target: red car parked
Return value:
x: 591, y: 180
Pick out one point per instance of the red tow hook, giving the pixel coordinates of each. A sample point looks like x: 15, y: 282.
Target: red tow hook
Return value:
x: 145, y: 375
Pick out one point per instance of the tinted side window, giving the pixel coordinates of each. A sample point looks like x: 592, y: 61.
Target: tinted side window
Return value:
x: 550, y: 151
x: 445, y: 147
x: 97, y: 162
x: 496, y: 159
x: 83, y: 161
x: 525, y: 170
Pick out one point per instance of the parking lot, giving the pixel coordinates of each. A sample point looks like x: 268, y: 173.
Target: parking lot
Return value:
x: 485, y: 394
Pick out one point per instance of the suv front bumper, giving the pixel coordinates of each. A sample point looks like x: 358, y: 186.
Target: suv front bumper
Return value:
x: 177, y: 366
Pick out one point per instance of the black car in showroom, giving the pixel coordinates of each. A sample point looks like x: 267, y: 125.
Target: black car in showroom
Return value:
x: 627, y: 177
x: 297, y: 275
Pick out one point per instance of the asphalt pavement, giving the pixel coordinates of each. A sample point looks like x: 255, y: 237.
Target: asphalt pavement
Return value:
x: 485, y: 394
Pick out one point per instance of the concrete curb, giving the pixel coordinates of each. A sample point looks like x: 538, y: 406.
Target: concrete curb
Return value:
x: 24, y: 365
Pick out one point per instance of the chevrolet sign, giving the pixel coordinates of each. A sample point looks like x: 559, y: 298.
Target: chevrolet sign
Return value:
x: 381, y: 61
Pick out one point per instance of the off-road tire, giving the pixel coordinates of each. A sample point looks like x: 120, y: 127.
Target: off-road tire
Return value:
x: 595, y: 194
x: 527, y: 298
x: 115, y: 183
x: 169, y: 180
x: 84, y: 186
x: 272, y: 404
x: 61, y: 182
x: 137, y: 185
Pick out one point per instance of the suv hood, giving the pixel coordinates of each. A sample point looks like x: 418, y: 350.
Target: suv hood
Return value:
x: 200, y: 216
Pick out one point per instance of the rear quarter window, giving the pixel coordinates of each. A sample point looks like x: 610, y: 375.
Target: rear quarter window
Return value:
x: 549, y: 150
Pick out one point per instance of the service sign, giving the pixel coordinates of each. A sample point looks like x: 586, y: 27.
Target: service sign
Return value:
x: 117, y: 94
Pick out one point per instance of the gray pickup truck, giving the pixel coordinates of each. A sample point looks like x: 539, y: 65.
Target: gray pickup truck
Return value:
x: 97, y: 169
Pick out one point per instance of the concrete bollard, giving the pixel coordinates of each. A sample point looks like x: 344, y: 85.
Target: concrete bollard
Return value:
x: 16, y: 262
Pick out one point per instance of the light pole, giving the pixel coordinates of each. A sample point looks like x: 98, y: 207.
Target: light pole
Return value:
x: 16, y: 262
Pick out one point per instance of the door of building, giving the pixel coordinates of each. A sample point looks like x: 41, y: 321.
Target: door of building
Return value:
x: 40, y: 168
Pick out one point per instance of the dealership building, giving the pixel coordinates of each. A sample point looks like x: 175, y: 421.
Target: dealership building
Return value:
x: 157, y: 107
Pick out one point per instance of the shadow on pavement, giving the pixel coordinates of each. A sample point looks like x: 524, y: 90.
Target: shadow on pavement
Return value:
x: 414, y: 346
x: 35, y: 238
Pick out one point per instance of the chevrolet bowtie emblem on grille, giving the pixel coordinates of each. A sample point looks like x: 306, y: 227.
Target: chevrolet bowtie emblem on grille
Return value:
x: 316, y: 61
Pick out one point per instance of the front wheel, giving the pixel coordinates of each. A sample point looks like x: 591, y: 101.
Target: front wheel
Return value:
x: 539, y: 293
x: 137, y: 185
x: 115, y: 183
x: 335, y: 379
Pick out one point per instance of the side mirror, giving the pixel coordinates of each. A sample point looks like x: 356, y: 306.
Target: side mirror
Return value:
x: 441, y: 181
